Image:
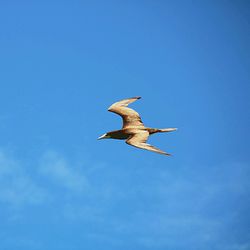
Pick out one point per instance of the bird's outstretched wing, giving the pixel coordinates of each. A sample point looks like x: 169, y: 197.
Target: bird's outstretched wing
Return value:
x: 139, y: 140
x: 130, y: 117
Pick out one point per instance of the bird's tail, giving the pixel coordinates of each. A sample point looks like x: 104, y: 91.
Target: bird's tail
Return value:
x: 167, y: 129
x: 161, y: 130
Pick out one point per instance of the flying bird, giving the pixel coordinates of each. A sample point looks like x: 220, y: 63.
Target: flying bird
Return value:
x: 133, y: 129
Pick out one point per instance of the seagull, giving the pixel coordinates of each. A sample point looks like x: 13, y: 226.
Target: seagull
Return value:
x: 133, y: 129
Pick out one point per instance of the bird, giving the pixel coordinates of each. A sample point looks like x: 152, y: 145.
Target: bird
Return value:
x: 133, y: 129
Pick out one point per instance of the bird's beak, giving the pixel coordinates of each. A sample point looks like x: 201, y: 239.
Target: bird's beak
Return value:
x: 171, y: 129
x: 101, y: 137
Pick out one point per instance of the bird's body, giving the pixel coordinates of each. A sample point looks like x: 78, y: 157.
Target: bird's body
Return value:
x: 133, y: 130
x: 123, y: 134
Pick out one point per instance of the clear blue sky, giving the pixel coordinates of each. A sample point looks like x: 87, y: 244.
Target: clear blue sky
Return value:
x: 63, y: 63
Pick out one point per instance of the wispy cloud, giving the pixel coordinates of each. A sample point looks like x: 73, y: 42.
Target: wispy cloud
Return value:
x: 21, y: 186
x: 152, y: 208
x: 62, y: 173
x: 16, y: 186
x: 242, y: 246
x: 197, y: 206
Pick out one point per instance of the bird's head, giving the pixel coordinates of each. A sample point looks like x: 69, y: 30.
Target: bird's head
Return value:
x: 105, y: 136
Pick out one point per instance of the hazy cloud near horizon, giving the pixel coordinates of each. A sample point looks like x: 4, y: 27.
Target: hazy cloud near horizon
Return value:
x: 206, y: 204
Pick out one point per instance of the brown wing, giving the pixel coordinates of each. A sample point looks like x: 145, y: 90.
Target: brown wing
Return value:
x: 139, y: 140
x: 130, y: 117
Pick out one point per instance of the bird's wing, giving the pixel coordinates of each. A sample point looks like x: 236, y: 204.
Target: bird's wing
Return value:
x: 139, y: 140
x: 130, y: 117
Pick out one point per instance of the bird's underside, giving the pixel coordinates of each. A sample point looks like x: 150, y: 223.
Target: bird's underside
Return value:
x: 133, y: 129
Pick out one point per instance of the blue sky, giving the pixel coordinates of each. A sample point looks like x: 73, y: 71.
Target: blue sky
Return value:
x: 63, y: 63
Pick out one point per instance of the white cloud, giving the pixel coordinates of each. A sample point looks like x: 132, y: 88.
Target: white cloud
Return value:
x: 21, y: 186
x: 16, y: 186
x: 194, y: 206
x: 63, y: 174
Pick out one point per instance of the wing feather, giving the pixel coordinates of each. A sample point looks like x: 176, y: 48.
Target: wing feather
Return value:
x: 129, y: 116
x: 139, y: 140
